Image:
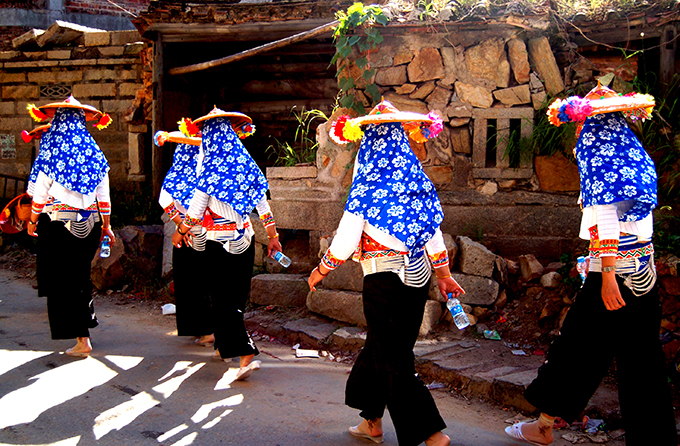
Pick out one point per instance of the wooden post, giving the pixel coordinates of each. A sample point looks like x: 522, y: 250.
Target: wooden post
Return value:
x: 257, y: 50
x: 156, y: 152
x: 667, y: 52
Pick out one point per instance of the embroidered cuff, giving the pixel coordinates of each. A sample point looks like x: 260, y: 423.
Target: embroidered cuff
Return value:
x: 191, y: 221
x: 171, y: 210
x: 267, y: 219
x: 440, y: 259
x: 104, y: 207
x: 330, y: 261
x: 37, y: 208
x: 604, y: 248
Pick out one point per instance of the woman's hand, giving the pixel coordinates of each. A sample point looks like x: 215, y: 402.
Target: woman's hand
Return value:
x: 177, y: 239
x: 449, y: 285
x: 273, y: 246
x: 611, y: 295
x: 31, y: 227
x: 109, y: 232
x: 315, y: 277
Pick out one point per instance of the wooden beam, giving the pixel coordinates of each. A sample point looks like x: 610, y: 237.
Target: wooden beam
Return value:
x: 157, y: 173
x: 254, y: 51
x: 668, y: 48
x: 242, y: 32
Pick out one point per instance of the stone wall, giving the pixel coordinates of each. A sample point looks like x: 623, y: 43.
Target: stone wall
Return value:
x: 108, y: 70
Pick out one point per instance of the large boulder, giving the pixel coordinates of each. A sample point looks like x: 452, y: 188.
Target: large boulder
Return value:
x: 474, y: 258
x: 478, y: 290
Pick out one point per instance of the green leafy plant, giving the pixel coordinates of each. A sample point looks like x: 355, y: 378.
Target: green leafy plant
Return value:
x: 357, y: 29
x: 304, y: 145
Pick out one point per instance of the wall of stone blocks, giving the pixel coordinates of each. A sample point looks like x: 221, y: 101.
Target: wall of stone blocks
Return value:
x: 106, y: 70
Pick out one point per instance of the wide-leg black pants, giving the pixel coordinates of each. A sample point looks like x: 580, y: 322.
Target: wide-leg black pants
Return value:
x: 591, y: 338
x: 384, y: 373
x: 227, y: 277
x: 63, y: 270
x: 194, y: 314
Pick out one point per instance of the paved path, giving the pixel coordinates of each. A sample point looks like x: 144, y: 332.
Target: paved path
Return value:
x: 145, y: 386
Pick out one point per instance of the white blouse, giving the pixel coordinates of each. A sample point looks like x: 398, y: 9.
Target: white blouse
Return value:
x: 46, y: 187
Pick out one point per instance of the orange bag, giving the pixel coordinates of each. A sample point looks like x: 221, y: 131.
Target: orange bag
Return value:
x: 14, y: 216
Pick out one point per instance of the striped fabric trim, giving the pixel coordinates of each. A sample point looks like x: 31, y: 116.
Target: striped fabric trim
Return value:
x: 267, y: 219
x: 104, y: 207
x: 416, y: 274
x: 440, y: 259
x: 330, y: 261
x: 191, y: 221
x: 171, y: 211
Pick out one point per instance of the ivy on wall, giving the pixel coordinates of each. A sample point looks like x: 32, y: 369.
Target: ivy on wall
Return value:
x: 357, y: 29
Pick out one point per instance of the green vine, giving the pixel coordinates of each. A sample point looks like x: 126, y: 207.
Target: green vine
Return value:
x: 365, y: 17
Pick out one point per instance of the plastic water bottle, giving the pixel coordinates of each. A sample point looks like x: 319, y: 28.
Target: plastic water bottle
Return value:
x: 282, y: 259
x: 581, y: 267
x: 105, y: 250
x: 459, y: 317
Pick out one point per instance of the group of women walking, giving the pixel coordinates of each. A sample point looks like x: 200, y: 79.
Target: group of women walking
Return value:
x: 391, y: 226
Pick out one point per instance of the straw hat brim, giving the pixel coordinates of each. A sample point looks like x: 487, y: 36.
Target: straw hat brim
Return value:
x: 619, y: 104
x: 91, y: 113
x: 384, y: 118
x: 180, y: 138
x: 40, y: 129
x: 237, y: 119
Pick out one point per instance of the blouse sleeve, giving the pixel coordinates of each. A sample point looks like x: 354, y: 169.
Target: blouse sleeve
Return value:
x: 103, y: 194
x: 198, y: 205
x: 436, y: 250
x: 265, y: 212
x: 346, y: 240
x: 41, y: 192
x: 608, y: 231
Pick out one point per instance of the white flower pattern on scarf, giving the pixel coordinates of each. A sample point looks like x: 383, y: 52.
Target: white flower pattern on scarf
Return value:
x: 228, y: 172
x: 614, y: 166
x: 180, y: 181
x: 391, y: 191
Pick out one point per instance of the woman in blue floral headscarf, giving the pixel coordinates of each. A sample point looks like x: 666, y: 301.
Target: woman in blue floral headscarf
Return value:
x: 72, y: 181
x: 228, y: 188
x: 391, y: 225
x: 194, y: 316
x: 616, y: 314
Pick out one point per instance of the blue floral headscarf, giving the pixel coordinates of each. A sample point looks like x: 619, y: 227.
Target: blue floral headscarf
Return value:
x: 391, y: 191
x: 71, y: 157
x: 180, y: 181
x: 614, y: 166
x: 229, y: 173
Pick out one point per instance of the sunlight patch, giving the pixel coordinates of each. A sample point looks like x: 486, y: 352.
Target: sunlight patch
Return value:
x: 217, y: 419
x: 203, y: 412
x: 11, y: 359
x: 68, y: 442
x: 186, y: 440
x: 172, y: 432
x: 52, y: 388
x: 123, y: 414
x: 125, y: 362
x: 168, y: 388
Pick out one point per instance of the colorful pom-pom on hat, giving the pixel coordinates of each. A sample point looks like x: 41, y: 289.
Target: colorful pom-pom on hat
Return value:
x: 45, y: 112
x: 600, y: 100
x: 36, y: 133
x: 419, y: 127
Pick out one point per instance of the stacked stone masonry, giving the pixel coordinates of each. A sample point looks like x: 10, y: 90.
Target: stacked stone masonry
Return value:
x: 108, y: 70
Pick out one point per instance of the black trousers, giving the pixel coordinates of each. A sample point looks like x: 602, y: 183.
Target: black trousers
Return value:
x: 227, y: 277
x: 591, y: 338
x: 194, y: 315
x: 63, y: 271
x: 384, y: 373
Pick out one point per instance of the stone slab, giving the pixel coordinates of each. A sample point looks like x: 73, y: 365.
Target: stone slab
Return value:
x: 345, y: 306
x: 284, y: 290
x: 348, y: 338
x: 311, y: 331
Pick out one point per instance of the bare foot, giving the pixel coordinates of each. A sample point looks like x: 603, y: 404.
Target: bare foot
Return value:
x: 206, y: 341
x: 536, y: 432
x: 371, y: 427
x: 82, y: 348
x: 438, y: 439
x: 245, y: 360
